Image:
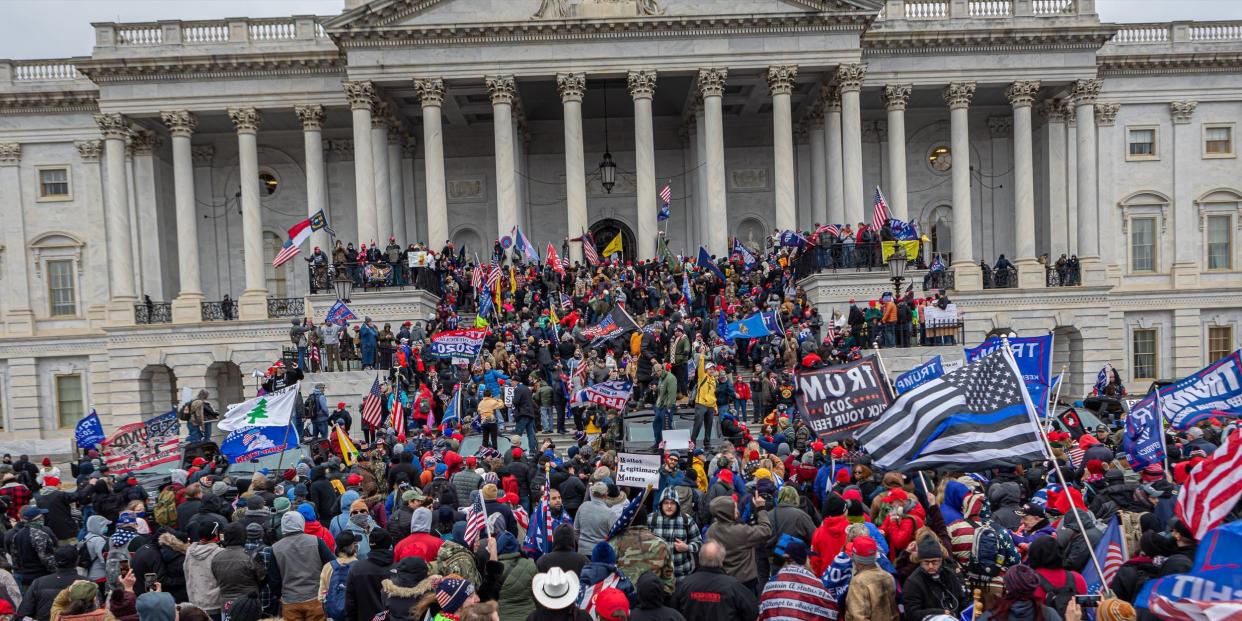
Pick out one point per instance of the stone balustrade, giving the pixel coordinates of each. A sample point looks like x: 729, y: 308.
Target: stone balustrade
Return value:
x: 1180, y: 35
x: 206, y: 33
x: 923, y: 10
x: 51, y: 74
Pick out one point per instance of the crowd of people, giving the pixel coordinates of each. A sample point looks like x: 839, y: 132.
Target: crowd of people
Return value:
x: 767, y: 522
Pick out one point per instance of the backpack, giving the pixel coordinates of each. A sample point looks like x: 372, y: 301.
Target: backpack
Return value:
x: 986, y: 557
x: 84, y: 552
x: 1058, y: 599
x: 166, y: 508
x: 334, y: 600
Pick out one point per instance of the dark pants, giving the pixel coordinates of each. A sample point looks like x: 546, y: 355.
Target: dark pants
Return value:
x: 662, y: 415
x: 489, y: 435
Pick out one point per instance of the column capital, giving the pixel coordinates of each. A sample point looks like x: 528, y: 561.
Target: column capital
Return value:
x: 360, y: 93
x: 571, y: 86
x: 10, y: 153
x: 642, y: 84
x: 142, y: 142
x: 1053, y: 110
x: 1085, y: 92
x: 959, y: 94
x: 181, y: 123
x: 1000, y: 126
x: 502, y: 88
x: 112, y: 125
x: 246, y: 120
x: 1022, y: 93
x: 712, y: 81
x: 850, y: 77
x: 1106, y: 113
x: 89, y: 150
x: 311, y: 116
x: 1182, y: 111
x: 897, y: 96
x: 396, y: 133
x: 831, y: 97
x: 430, y: 91
x: 202, y: 154
x: 379, y: 115
x: 781, y: 79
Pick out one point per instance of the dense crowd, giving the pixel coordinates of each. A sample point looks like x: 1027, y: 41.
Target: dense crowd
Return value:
x: 767, y: 522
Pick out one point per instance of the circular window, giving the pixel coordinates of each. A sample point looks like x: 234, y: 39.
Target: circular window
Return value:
x: 268, y: 183
x: 940, y: 158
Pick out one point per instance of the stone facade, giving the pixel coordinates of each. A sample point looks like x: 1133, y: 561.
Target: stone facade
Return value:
x: 171, y: 161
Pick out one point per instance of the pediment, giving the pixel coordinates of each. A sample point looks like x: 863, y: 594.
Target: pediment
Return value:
x: 397, y: 14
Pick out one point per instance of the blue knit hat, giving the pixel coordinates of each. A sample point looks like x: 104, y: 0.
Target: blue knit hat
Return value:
x: 604, y: 553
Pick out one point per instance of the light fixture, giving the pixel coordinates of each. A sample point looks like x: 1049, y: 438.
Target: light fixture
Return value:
x: 607, y: 167
x: 897, y: 268
x: 344, y: 285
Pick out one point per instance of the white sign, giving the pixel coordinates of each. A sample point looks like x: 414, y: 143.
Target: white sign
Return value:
x: 677, y: 440
x: 508, y: 394
x: 634, y: 470
x: 933, y: 315
x: 418, y: 259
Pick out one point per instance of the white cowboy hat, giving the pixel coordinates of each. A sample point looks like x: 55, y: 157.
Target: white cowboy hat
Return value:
x: 556, y: 589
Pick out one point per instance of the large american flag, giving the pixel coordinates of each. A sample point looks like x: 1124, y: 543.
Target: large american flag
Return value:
x: 476, y: 277
x: 830, y: 229
x: 1111, y: 552
x: 476, y: 519
x: 879, y: 212
x: 493, y: 277
x: 372, y: 408
x: 286, y: 254
x: 1213, y: 488
x: 398, y: 416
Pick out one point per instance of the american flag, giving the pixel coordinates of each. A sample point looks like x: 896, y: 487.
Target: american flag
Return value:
x: 1111, y: 552
x: 539, y: 536
x: 315, y: 357
x: 627, y: 515
x: 879, y: 213
x: 831, y: 334
x: 493, y: 277
x: 666, y: 195
x: 398, y: 416
x: 1213, y: 488
x: 476, y: 519
x: 476, y: 277
x: 588, y: 248
x: 830, y: 229
x: 286, y: 254
x: 372, y: 407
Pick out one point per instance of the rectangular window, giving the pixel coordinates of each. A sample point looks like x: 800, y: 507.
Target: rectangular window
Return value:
x: 1143, y: 245
x: 1218, y: 140
x: 70, y: 404
x: 1220, y: 342
x: 62, y: 299
x: 1219, y: 243
x: 53, y: 183
x: 1144, y: 346
x: 1142, y: 141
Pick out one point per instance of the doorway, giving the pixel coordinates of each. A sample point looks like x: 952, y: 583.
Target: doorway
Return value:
x: 606, y: 230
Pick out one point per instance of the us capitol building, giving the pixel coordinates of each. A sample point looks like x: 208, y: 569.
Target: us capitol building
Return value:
x: 170, y: 162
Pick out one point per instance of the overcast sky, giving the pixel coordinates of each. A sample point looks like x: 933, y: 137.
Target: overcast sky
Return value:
x: 59, y: 28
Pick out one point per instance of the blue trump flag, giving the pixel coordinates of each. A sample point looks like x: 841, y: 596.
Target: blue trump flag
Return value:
x: 89, y: 431
x: 705, y: 262
x: 247, y: 443
x: 1215, y: 580
x: 1144, y: 440
x: 1034, y: 357
x: 339, y: 314
x: 1213, y: 391
x: 756, y: 326
x: 748, y: 258
x: 792, y: 238
x: 919, y: 375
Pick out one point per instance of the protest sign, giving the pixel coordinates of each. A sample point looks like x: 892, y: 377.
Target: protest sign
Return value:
x: 138, y: 446
x: 457, y: 343
x: 919, y: 375
x: 418, y: 259
x: 933, y: 315
x: 837, y: 401
x: 636, y: 470
x: 677, y: 440
x: 612, y: 395
x: 247, y: 443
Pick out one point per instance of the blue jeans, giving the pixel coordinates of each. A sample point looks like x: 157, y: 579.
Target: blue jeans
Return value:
x: 321, y: 430
x: 547, y: 417
x: 662, y: 416
x: 740, y: 405
x: 302, y: 358
x: 526, y: 424
x: 198, y: 433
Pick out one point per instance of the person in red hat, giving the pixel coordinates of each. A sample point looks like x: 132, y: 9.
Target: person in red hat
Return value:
x: 872, y: 595
x: 611, y: 605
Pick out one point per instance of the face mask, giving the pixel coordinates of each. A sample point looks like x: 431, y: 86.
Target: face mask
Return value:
x: 360, y: 520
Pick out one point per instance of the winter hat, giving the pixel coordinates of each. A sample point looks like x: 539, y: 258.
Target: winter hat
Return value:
x: 380, y: 539
x: 281, y: 504
x: 156, y: 606
x: 83, y: 590
x: 843, y: 475
x: 292, y: 522
x: 452, y: 594
x: 834, y: 506
x: 409, y: 571
x: 1095, y: 466
x: 254, y: 530
x: 789, y: 496
x: 929, y: 548
x: 219, y: 488
x: 808, y: 458
x: 1113, y: 609
x: 303, y: 469
x: 604, y: 553
x: 1021, y: 582
x: 353, y: 479
x: 308, y: 511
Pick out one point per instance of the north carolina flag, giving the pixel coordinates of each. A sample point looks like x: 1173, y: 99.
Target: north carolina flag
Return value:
x: 299, y: 233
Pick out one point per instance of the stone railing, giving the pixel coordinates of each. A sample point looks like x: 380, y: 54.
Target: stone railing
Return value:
x: 918, y: 10
x: 52, y: 71
x: 1178, y: 33
x: 209, y: 32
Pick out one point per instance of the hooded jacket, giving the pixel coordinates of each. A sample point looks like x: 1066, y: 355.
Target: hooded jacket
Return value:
x: 1074, y: 552
x: 515, y: 600
x: 201, y: 585
x: 651, y: 604
x: 1006, y: 499
x: 363, y: 590
x: 420, y: 542
x: 788, y: 518
x: 300, y: 557
x: 741, y: 541
x: 828, y: 541
x: 679, y: 527
x: 96, y: 542
x: 235, y: 571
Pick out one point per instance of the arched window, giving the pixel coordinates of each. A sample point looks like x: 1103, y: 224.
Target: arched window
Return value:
x: 277, y: 285
x: 752, y: 232
x: 940, y: 225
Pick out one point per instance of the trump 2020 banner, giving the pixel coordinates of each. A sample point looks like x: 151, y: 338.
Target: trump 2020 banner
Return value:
x: 1034, y: 357
x: 612, y: 395
x: 1143, y: 442
x: 839, y: 400
x: 457, y: 343
x: 1214, y: 391
x: 138, y: 446
x: 919, y: 375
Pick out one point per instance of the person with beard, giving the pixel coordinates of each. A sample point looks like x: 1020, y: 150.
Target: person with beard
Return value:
x: 935, y: 587
x: 234, y: 569
x: 364, y: 589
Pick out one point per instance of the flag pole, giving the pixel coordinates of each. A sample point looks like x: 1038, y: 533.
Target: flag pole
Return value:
x: 1057, y: 398
x: 876, y: 346
x: 1056, y: 466
x: 1168, y: 476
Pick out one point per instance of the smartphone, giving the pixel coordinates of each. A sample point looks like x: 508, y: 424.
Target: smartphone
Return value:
x: 1087, y: 601
x: 148, y: 579
x: 124, y: 565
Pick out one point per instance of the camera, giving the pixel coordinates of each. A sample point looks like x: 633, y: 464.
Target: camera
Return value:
x: 1087, y: 601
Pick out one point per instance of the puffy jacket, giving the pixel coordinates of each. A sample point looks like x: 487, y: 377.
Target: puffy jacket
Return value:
x: 236, y: 573
x: 515, y: 602
x: 465, y: 482
x: 200, y: 582
x: 827, y: 541
x: 739, y: 540
x: 921, y: 596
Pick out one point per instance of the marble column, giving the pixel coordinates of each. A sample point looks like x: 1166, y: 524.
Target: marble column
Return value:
x: 1071, y: 181
x: 711, y: 85
x: 115, y: 129
x: 819, y: 165
x: 968, y: 275
x: 832, y: 140
x: 311, y: 117
x: 1185, y: 149
x: 849, y: 79
x: 253, y: 301
x: 1109, y: 140
x: 396, y: 185
x: 361, y: 96
x: 1053, y: 112
x: 431, y: 93
x: 642, y: 85
x: 503, y: 89
x: 19, y: 317
x: 780, y: 86
x: 187, y: 307
x: 146, y: 221
x: 700, y: 149
x: 379, y: 163
x: 1084, y: 95
x: 572, y: 87
x: 1021, y: 95
x: 896, y: 98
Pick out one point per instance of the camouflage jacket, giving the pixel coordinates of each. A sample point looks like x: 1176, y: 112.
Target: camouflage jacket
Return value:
x: 639, y: 551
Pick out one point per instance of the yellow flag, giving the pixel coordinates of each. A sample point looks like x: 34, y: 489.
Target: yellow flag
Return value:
x: 552, y: 314
x: 512, y: 281
x: 613, y: 247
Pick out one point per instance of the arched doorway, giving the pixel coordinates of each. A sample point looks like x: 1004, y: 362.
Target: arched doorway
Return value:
x: 224, y: 384
x: 940, y: 225
x: 157, y: 388
x: 752, y: 232
x: 470, y: 239
x: 1067, y: 351
x: 605, y: 230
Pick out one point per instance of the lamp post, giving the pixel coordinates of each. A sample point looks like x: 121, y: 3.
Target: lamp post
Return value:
x: 344, y: 285
x: 897, y: 269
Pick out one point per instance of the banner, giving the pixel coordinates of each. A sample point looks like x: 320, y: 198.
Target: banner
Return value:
x: 756, y: 326
x: 457, y: 343
x: 1213, y: 391
x: 274, y: 409
x: 792, y: 239
x: 612, y: 395
x: 138, y: 446
x: 89, y: 431
x: 418, y: 258
x: 1143, y: 440
x: 377, y: 273
x: 247, y: 443
x: 1034, y: 357
x: 933, y: 315
x: 635, y: 470
x: 836, y: 401
x: 919, y: 375
x: 1211, y: 590
x: 616, y: 323
x: 889, y: 247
